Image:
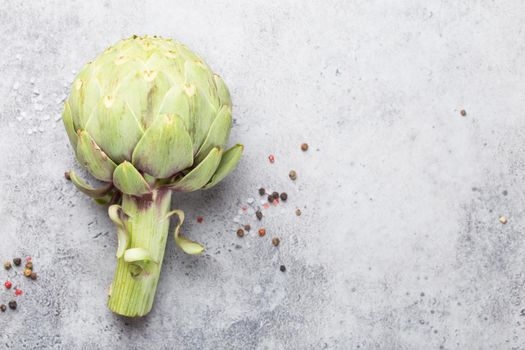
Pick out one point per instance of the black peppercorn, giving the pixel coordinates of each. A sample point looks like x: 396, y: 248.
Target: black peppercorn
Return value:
x: 282, y: 268
x: 17, y: 261
x: 247, y: 227
x: 3, y: 307
x: 262, y: 191
x: 259, y: 215
x: 284, y: 196
x: 275, y: 195
x: 270, y: 199
x: 12, y: 305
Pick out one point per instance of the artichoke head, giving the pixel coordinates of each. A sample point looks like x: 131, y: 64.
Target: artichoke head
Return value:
x: 148, y: 112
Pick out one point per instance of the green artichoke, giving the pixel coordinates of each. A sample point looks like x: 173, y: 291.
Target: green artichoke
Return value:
x: 148, y: 117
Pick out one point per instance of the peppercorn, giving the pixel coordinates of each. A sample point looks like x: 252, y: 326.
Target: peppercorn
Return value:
x: 27, y: 272
x: 271, y: 158
x: 262, y: 191
x: 270, y: 199
x: 298, y: 212
x: 18, y: 292
x: 259, y: 215
x: 3, y: 307
x: 284, y: 196
x: 12, y: 305
x: 29, y: 265
x: 275, y: 195
x: 282, y: 268
x: 7, y: 265
x: 463, y: 113
x: 240, y: 232
x: 304, y: 147
x: 34, y: 276
x: 276, y: 241
x: 17, y: 261
x: 67, y: 176
x: 247, y: 227
x: 262, y: 232
x: 292, y: 175
x: 8, y: 284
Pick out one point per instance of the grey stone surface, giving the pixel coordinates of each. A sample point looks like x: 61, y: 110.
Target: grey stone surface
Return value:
x: 399, y: 245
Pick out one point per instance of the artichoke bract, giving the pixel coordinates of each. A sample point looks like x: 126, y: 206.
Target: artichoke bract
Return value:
x: 148, y: 117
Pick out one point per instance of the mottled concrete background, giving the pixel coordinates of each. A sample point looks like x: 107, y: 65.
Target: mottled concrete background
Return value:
x: 399, y: 245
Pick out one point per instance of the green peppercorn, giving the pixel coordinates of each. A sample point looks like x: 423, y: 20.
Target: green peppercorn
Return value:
x: 262, y: 191
x: 17, y: 261
x: 284, y: 196
x: 240, y: 232
x: 7, y: 265
x: 27, y: 272
x: 293, y: 175
x: 3, y: 307
x: 259, y: 215
x: 29, y: 265
x: 12, y: 305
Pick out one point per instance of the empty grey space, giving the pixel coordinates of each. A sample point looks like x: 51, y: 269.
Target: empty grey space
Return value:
x: 399, y: 245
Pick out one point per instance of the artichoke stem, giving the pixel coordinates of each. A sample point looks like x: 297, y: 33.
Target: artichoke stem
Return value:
x: 133, y: 288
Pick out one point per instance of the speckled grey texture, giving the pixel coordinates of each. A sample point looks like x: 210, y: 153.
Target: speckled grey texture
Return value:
x: 399, y: 245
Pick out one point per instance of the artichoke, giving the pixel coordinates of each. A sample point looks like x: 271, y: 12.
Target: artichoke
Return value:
x: 148, y: 117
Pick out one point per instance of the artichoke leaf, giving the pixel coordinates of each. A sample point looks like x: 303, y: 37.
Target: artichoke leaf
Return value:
x: 203, y: 114
x: 187, y: 246
x: 119, y: 218
x: 218, y: 133
x: 114, y: 127
x: 222, y: 91
x: 228, y: 163
x: 83, y: 187
x: 165, y: 148
x: 93, y: 158
x: 135, y: 255
x: 104, y: 200
x: 67, y: 118
x: 128, y: 179
x: 201, y: 174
